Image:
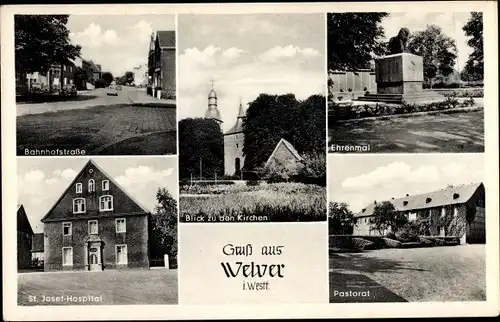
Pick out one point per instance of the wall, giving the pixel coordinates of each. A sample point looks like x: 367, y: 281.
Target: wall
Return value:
x: 135, y: 237
x: 357, y: 81
x: 168, y: 71
x: 23, y: 249
x: 233, y: 148
x: 362, y: 227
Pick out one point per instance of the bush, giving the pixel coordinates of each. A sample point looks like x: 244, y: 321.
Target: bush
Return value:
x: 426, y: 242
x: 392, y: 243
x: 362, y: 244
x: 252, y: 183
x: 391, y: 235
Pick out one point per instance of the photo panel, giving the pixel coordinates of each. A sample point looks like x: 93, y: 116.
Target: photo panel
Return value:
x: 97, y: 231
x: 95, y: 85
x: 405, y: 82
x: 407, y: 228
x: 252, y: 158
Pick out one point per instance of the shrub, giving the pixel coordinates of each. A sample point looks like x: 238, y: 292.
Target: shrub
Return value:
x: 426, y: 242
x: 392, y: 243
x: 362, y: 244
x: 252, y: 183
x: 391, y: 235
x: 439, y: 242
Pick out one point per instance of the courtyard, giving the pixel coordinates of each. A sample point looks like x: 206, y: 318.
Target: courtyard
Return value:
x: 436, y: 274
x: 156, y: 286
x: 450, y: 132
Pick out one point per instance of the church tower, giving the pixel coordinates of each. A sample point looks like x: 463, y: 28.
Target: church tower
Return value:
x: 212, y: 111
x: 233, y: 146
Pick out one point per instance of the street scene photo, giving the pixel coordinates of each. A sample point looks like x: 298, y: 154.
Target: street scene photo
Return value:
x: 114, y: 218
x: 252, y: 112
x: 409, y: 228
x: 95, y: 85
x: 405, y: 82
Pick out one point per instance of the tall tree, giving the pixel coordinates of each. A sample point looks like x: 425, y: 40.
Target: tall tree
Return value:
x: 387, y: 218
x: 438, y: 51
x: 164, y: 225
x: 42, y: 41
x: 129, y: 76
x: 353, y: 38
x: 201, y: 147
x: 341, y: 219
x: 108, y: 77
x: 474, y: 67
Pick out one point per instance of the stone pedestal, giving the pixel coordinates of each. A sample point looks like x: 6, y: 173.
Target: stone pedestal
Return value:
x: 399, y: 78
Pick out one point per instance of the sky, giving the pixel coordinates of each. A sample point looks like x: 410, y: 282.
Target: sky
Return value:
x: 451, y: 24
x: 41, y: 181
x: 246, y: 55
x: 117, y: 43
x: 360, y: 179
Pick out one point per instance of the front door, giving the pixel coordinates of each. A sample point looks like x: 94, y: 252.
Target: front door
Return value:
x: 95, y: 259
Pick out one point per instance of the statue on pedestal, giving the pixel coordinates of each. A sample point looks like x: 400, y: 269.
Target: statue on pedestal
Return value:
x: 397, y: 45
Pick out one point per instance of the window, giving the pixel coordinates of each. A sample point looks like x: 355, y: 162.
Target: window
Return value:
x: 105, y: 185
x: 66, y: 229
x: 121, y: 254
x: 91, y: 185
x: 93, y: 228
x: 78, y: 188
x: 78, y: 205
x: 443, y: 212
x: 455, y: 212
x: 105, y: 203
x: 67, y: 256
x: 121, y: 225
x: 412, y: 216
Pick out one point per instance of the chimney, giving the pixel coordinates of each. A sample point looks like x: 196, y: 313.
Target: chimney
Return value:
x: 392, y: 198
x: 407, y: 195
x: 374, y: 202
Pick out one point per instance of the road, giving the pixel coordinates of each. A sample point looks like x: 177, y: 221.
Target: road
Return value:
x: 97, y: 97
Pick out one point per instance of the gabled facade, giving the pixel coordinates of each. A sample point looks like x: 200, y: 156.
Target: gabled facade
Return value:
x: 457, y: 211
x: 161, y: 62
x: 95, y: 225
x: 24, y: 239
x: 284, y: 153
x: 234, y: 139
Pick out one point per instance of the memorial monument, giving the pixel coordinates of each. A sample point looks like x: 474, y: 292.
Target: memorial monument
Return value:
x: 400, y: 75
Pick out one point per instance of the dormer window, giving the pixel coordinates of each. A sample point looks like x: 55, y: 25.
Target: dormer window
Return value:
x: 405, y: 203
x: 428, y: 200
x: 106, y: 203
x: 91, y: 185
x: 105, y: 185
x: 78, y: 205
x: 78, y: 187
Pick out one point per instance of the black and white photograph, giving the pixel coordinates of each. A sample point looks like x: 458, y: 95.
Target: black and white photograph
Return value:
x: 409, y: 228
x: 405, y: 82
x: 95, y: 85
x: 252, y: 110
x: 97, y: 231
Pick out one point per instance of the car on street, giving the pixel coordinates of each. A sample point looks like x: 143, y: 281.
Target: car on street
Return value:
x: 112, y: 90
x: 68, y: 90
x: 118, y: 87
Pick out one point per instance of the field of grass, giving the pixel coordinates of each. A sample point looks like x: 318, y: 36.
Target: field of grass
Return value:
x: 277, y: 202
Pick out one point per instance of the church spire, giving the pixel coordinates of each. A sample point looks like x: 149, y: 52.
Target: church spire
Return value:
x: 212, y: 111
x: 241, y: 112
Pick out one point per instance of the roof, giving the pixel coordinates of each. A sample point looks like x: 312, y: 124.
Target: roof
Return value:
x: 74, y: 181
x: 37, y: 245
x: 23, y: 223
x: 287, y: 145
x: 212, y: 113
x: 166, y: 38
x: 448, y: 196
x: 238, y: 126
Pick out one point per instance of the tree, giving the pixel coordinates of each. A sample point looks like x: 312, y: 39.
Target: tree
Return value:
x: 129, y: 77
x: 108, y: 78
x: 42, y: 41
x: 341, y: 220
x: 201, y: 145
x: 387, y: 218
x: 353, y: 38
x: 438, y: 51
x: 80, y: 77
x: 164, y: 225
x: 270, y: 118
x: 474, y: 67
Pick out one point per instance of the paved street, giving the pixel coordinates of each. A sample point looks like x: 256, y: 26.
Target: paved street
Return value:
x: 97, y: 97
x: 132, y: 123
x: 458, y: 132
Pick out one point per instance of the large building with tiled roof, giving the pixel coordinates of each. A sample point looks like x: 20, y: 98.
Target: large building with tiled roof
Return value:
x: 161, y: 63
x: 95, y: 225
x: 457, y: 211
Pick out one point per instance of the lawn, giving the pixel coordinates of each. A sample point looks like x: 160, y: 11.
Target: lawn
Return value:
x: 282, y: 202
x: 453, y: 273
x: 458, y: 132
x: 157, y: 286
